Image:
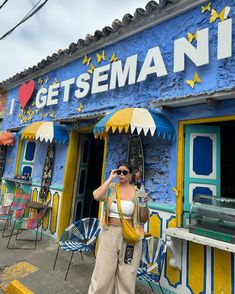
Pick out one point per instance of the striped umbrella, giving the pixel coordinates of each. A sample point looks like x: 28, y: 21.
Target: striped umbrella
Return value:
x: 135, y: 119
x: 48, y: 131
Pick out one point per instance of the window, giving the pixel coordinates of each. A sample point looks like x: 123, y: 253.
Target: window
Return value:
x: 27, y: 158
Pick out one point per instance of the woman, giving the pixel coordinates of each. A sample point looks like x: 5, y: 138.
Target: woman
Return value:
x: 111, y: 271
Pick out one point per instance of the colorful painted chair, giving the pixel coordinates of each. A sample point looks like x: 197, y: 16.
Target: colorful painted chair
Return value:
x: 151, y: 263
x: 31, y: 220
x: 15, y: 210
x: 79, y: 237
x: 5, y: 205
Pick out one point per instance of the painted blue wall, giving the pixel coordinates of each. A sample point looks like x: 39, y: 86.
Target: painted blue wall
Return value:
x: 216, y: 76
x: 40, y: 158
x: 160, y: 157
x: 59, y: 163
x: 157, y: 161
x: 10, y: 162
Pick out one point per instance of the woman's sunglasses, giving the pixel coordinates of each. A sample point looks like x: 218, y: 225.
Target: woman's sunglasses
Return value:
x: 124, y: 172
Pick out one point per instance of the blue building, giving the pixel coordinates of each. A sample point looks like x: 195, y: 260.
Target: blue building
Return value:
x: 176, y: 60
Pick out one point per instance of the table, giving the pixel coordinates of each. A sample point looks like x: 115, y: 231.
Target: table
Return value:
x: 36, y: 205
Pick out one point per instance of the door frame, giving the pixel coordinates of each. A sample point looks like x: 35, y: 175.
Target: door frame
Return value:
x: 84, y: 131
x: 179, y: 191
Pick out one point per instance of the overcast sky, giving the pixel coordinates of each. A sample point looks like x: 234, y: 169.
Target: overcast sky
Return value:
x: 54, y: 27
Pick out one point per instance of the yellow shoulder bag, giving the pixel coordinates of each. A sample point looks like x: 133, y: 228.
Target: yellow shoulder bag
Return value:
x: 129, y: 233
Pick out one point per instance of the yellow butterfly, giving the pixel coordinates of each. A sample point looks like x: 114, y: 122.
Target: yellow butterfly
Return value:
x: 195, y: 80
x: 192, y: 37
x: 222, y: 15
x: 37, y: 110
x: 113, y: 58
x: 33, y: 103
x: 92, y: 68
x: 80, y: 108
x: 46, y: 79
x: 52, y: 114
x: 41, y: 115
x: 206, y: 8
x: 100, y: 57
x: 55, y: 82
x: 86, y: 60
x: 40, y: 81
x: 46, y: 115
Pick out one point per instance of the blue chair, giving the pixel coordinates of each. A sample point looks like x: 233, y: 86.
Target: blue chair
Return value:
x: 79, y: 237
x: 151, y: 263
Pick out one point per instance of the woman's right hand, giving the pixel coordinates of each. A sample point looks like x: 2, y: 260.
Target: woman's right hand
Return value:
x: 113, y: 174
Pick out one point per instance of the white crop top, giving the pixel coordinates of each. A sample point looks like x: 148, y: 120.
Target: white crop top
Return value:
x: 127, y: 209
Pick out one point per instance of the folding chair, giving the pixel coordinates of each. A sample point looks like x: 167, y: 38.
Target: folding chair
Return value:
x: 151, y: 263
x: 28, y: 221
x: 15, y: 210
x: 79, y: 237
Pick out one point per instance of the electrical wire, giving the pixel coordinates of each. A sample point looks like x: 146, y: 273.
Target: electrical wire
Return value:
x: 26, y: 17
x: 3, y: 3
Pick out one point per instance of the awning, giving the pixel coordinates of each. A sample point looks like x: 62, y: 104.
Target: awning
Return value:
x: 135, y: 119
x: 7, y: 138
x: 48, y: 131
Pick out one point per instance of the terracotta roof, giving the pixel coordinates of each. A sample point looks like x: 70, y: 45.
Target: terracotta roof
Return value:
x: 129, y: 24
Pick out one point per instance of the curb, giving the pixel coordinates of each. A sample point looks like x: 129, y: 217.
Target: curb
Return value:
x: 15, y: 287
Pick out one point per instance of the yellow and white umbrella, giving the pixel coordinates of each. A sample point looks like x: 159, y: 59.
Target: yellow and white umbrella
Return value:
x: 135, y: 119
x: 47, y: 131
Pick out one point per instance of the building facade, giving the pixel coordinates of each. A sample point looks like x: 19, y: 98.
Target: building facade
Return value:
x: 175, y: 59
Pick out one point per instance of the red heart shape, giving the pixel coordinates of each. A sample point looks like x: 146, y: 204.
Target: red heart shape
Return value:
x: 25, y: 92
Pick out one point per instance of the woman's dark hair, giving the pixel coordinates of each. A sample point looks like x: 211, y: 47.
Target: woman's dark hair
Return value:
x: 126, y: 164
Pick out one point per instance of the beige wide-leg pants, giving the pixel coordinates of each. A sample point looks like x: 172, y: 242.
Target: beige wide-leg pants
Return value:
x: 110, y: 271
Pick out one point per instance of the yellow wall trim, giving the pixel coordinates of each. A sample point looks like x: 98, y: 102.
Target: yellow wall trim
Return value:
x: 103, y: 170
x: 69, y: 178
x: 85, y: 130
x: 18, y: 157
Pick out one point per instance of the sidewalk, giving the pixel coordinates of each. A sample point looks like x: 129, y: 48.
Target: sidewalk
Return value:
x: 33, y: 269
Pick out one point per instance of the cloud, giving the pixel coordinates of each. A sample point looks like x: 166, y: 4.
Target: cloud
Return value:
x: 54, y: 27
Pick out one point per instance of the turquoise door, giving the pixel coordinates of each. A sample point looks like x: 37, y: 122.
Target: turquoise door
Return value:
x: 202, y: 162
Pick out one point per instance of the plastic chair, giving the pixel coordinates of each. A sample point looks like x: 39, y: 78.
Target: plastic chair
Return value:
x: 79, y: 237
x: 28, y: 221
x: 151, y: 263
x: 15, y: 210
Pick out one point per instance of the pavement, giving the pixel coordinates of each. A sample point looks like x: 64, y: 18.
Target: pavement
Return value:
x: 30, y: 271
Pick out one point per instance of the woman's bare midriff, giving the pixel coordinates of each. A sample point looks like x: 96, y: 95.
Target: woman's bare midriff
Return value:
x: 117, y: 222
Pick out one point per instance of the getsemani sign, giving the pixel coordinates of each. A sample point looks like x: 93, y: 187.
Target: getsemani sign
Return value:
x: 117, y: 74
